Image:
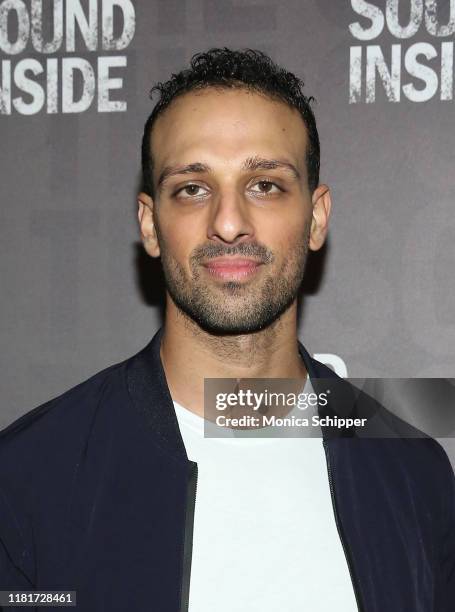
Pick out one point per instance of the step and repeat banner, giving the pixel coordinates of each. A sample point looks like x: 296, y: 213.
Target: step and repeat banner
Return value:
x: 78, y: 291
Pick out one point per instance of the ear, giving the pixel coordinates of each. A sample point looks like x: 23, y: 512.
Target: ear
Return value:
x: 147, y: 224
x: 322, y: 204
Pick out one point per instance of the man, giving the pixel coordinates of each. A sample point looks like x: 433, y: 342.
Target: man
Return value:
x: 98, y: 486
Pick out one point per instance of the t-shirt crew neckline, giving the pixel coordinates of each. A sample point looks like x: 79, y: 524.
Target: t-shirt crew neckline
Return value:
x: 196, y: 424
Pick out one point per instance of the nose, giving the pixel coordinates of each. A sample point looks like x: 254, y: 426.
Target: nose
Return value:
x: 230, y: 220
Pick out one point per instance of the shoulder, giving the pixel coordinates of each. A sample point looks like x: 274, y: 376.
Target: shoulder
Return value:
x: 60, y: 422
x: 388, y: 441
x: 40, y: 453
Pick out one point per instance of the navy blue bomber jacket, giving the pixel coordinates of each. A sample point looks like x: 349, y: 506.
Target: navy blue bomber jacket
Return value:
x: 97, y: 496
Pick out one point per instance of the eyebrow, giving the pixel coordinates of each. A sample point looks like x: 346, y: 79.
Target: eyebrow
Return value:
x: 250, y: 164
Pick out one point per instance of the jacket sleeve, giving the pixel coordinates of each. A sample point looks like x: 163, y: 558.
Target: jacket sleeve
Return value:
x: 11, y: 577
x: 15, y: 560
x: 448, y: 543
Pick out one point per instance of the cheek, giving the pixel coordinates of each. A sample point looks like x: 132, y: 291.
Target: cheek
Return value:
x: 284, y: 235
x: 178, y: 241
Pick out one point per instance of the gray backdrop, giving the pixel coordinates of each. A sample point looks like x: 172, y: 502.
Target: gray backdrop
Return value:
x: 78, y: 292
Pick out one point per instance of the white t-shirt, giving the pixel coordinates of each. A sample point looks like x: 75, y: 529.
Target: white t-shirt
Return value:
x: 265, y: 537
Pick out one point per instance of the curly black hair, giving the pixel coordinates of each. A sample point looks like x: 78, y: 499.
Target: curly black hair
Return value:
x: 225, y: 68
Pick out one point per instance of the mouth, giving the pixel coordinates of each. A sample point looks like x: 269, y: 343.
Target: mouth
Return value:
x: 232, y: 268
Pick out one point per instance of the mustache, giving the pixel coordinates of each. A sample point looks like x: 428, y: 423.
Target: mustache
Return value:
x: 210, y: 251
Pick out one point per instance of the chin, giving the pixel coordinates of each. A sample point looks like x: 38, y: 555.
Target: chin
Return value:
x: 233, y: 325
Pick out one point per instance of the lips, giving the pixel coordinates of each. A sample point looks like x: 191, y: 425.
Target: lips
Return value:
x: 229, y: 268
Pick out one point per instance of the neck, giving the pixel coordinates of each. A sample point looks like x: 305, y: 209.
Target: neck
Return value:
x: 189, y: 354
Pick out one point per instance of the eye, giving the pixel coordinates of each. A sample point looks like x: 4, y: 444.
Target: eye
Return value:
x: 266, y: 187
x: 192, y: 190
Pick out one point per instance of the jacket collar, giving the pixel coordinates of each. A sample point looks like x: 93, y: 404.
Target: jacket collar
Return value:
x: 150, y: 394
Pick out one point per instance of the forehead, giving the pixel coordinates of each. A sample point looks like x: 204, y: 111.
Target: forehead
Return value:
x: 227, y: 125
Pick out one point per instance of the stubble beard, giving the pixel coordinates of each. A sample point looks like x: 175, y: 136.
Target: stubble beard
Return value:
x: 234, y: 307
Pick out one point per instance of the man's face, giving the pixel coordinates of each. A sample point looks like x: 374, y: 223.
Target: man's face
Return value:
x: 232, y: 212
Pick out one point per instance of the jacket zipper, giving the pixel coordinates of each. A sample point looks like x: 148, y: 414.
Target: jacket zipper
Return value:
x: 189, y: 525
x: 347, y: 554
x: 188, y: 537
